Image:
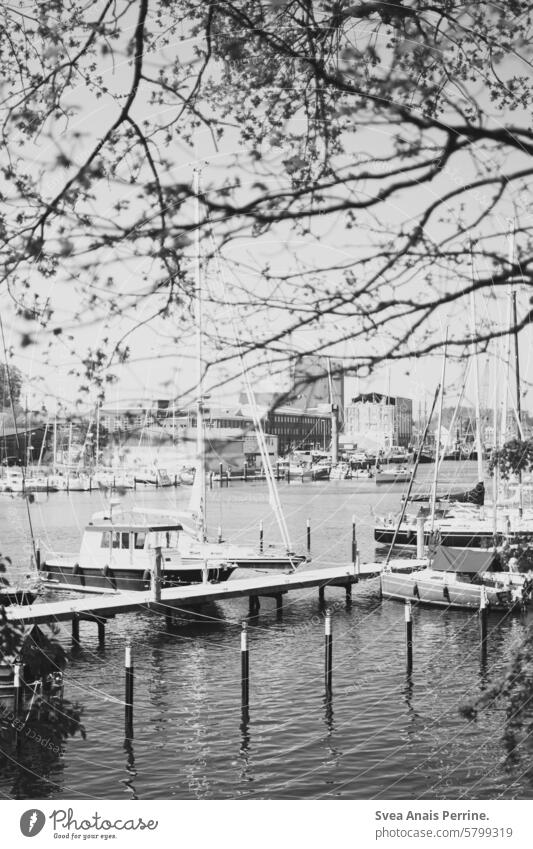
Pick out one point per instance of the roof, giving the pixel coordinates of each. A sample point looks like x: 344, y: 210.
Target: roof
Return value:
x: 462, y: 560
x: 134, y: 520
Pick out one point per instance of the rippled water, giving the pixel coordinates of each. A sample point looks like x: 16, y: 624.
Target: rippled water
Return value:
x: 384, y: 734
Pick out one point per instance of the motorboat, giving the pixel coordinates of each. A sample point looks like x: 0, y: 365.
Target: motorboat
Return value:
x: 119, y: 547
x: 393, y: 474
x: 456, y: 578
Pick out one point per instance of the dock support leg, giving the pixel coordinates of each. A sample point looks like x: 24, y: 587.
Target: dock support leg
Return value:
x: 253, y: 605
x: 279, y: 604
x: 75, y: 631
x: 101, y: 633
x: 348, y: 593
x: 321, y: 591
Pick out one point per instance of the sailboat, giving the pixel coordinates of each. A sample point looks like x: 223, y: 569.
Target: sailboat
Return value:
x: 119, y: 546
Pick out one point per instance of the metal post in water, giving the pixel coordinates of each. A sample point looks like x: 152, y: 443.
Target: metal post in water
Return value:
x: 17, y: 684
x: 328, y: 651
x: 309, y: 534
x: 483, y: 618
x: 409, y: 635
x: 245, y: 666
x: 354, y: 542
x: 128, y: 701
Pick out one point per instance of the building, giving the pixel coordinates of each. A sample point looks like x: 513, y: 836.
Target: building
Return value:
x: 377, y: 421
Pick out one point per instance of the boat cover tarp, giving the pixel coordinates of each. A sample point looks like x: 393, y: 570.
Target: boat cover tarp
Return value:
x: 476, y: 495
x: 449, y: 559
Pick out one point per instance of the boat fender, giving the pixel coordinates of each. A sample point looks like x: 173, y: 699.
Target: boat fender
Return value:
x: 147, y: 575
x: 446, y: 594
x: 416, y: 591
x: 76, y: 569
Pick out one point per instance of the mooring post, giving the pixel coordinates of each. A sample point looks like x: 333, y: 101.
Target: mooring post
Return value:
x: 348, y: 591
x: 420, y: 538
x: 328, y: 651
x: 156, y: 574
x: 321, y: 591
x: 76, y: 630
x: 37, y: 554
x: 277, y: 470
x: 308, y: 523
x: 221, y: 479
x: 210, y: 480
x: 128, y: 700
x: 101, y: 631
x: 279, y: 602
x: 261, y: 535
x: 409, y: 634
x: 354, y: 541
x: 483, y: 618
x: 17, y: 685
x: 245, y: 666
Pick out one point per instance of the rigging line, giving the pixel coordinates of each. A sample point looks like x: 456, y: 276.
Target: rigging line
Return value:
x: 23, y: 468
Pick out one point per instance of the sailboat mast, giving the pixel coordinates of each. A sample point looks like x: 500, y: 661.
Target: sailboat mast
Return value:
x: 514, y: 320
x: 479, y: 443
x: 437, y: 446
x: 200, y: 440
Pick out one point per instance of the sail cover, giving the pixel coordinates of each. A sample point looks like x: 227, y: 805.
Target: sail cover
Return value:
x: 449, y: 559
x: 476, y: 495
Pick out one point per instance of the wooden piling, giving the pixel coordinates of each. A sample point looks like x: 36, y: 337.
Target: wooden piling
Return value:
x: 76, y: 630
x: 321, y: 595
x: 328, y: 651
x: 308, y: 523
x: 409, y: 635
x: 354, y: 541
x: 348, y: 592
x: 128, y: 700
x: 156, y: 574
x: 245, y: 667
x: 420, y: 537
x: 279, y: 602
x: 101, y: 632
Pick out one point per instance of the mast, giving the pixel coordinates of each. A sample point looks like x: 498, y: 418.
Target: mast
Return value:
x: 514, y: 319
x: 54, y: 462
x: 479, y: 444
x: 334, y: 421
x: 437, y: 446
x: 201, y: 523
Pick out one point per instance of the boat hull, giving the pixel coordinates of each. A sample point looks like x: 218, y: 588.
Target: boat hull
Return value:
x: 440, y: 593
x: 452, y: 538
x: 74, y: 576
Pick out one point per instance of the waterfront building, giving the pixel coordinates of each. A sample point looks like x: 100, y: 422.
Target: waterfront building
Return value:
x: 376, y: 421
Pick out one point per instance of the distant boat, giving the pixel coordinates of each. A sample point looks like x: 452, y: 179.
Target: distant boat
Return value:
x: 393, y: 474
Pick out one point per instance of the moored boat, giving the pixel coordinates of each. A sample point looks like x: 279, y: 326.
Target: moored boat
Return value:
x: 118, y: 551
x: 457, y: 579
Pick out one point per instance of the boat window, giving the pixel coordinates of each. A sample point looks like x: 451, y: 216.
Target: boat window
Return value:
x: 116, y: 540
x: 125, y: 540
x: 106, y: 539
x: 140, y: 539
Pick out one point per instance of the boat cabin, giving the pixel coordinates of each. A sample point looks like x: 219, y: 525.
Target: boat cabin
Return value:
x: 121, y: 541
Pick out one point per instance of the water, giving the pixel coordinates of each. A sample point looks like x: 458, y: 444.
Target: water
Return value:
x: 384, y: 734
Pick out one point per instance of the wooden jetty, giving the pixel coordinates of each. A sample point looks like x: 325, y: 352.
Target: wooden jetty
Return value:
x: 111, y: 603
